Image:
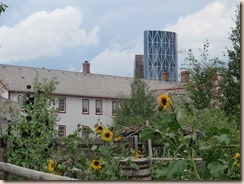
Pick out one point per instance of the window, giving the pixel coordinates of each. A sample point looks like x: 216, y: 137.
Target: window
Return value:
x: 114, y: 106
x: 21, y: 101
x: 62, y: 104
x: 85, y: 106
x: 61, y: 130
x: 98, y: 106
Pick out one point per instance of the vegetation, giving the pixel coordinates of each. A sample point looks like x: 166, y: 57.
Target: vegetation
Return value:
x: 31, y: 134
x: 214, y: 111
x: 133, y: 111
x: 230, y: 77
x: 97, y: 159
x: 203, y: 74
x: 3, y: 7
x: 220, y: 157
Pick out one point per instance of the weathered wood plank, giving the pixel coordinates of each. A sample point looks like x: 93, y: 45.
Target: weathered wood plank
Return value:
x: 30, y: 174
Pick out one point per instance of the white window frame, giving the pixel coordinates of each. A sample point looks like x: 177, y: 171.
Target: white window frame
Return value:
x: 114, y: 106
x: 20, y: 99
x: 85, y: 108
x: 63, y: 129
x: 97, y: 111
x: 63, y: 110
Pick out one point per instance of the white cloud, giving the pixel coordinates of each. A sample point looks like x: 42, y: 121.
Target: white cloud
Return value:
x: 45, y: 34
x: 117, y: 60
x: 212, y: 23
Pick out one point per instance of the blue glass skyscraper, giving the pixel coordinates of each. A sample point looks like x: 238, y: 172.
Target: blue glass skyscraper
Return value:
x: 160, y: 55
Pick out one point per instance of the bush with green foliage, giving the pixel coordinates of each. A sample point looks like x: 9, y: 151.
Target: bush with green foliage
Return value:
x: 230, y: 81
x: 133, y: 111
x: 216, y: 149
x: 31, y: 135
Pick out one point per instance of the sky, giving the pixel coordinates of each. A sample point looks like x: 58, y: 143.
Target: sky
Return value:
x: 61, y: 34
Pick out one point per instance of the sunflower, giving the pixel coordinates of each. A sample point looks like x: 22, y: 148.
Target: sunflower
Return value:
x: 236, y: 156
x: 164, y: 101
x: 96, y: 164
x: 100, y: 128
x: 107, y: 135
x: 117, y: 138
x: 137, y: 154
x: 51, y: 165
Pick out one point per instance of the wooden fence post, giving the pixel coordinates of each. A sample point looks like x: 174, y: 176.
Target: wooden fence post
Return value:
x: 150, y: 154
x: 135, y: 138
x: 3, y: 158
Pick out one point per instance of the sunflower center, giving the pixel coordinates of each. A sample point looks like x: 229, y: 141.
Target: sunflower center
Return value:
x: 52, y: 165
x: 107, y: 135
x: 100, y: 128
x: 96, y: 163
x: 164, y: 101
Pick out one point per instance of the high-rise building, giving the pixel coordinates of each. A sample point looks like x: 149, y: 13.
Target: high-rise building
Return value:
x: 160, y: 54
x: 139, y: 66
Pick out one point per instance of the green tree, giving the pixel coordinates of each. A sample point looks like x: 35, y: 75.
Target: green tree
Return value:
x: 201, y: 87
x: 133, y: 111
x: 3, y: 7
x: 229, y: 83
x: 31, y: 135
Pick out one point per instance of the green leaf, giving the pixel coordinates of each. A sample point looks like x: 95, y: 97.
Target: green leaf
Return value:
x: 224, y: 131
x: 175, y: 167
x: 216, y: 169
x: 174, y: 126
x: 94, y: 147
x: 169, y: 118
x: 134, y: 166
x: 159, y: 174
x: 204, y: 148
x: 146, y: 134
x: 222, y: 139
x: 104, y: 149
x: 214, y: 130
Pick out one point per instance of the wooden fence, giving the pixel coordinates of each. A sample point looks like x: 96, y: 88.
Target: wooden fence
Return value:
x: 143, y: 173
x: 7, y: 168
x: 27, y: 173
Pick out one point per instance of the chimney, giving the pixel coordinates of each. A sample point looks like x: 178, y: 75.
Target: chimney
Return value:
x: 86, y: 67
x: 185, y: 76
x: 165, y: 76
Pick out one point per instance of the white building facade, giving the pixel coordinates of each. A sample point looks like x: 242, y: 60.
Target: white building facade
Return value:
x: 83, y: 98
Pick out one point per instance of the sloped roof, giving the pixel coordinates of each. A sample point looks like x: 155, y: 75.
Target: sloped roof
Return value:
x: 16, y: 78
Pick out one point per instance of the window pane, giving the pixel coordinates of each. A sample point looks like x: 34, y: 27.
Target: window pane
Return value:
x: 114, y: 106
x: 85, y: 106
x: 21, y: 100
x: 98, y: 107
x: 62, y: 104
x: 61, y: 130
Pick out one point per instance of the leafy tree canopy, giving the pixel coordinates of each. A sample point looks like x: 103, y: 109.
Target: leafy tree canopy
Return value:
x: 3, y: 7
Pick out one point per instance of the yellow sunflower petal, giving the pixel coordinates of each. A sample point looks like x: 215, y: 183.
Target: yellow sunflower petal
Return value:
x: 107, y: 135
x: 164, y: 101
x: 100, y: 129
x: 51, y: 165
x: 96, y: 164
